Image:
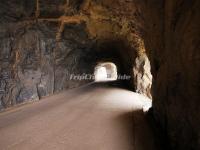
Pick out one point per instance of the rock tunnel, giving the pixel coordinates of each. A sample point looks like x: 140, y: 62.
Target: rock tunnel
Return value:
x: 105, y: 71
x: 46, y: 44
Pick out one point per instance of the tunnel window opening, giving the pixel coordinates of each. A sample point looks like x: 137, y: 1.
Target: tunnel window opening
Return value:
x: 106, y: 71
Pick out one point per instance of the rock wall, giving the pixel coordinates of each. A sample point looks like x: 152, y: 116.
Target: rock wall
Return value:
x: 178, y: 86
x: 142, y: 75
x: 33, y: 64
x: 42, y: 42
x: 172, y: 43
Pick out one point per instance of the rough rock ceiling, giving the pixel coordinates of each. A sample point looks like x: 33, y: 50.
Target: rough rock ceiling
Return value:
x: 168, y: 31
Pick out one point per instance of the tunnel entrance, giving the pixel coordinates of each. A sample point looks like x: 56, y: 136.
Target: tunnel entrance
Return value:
x: 106, y: 71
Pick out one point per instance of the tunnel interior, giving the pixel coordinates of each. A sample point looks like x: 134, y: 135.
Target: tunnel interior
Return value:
x: 116, y: 51
x: 130, y: 60
x: 47, y: 46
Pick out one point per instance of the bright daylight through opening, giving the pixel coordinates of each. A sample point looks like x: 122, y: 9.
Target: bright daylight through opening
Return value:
x: 106, y: 71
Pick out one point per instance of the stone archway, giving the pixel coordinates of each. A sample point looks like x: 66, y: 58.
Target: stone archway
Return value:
x: 105, y: 71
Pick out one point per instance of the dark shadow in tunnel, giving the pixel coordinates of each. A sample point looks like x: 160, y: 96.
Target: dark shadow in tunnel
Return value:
x: 119, y: 52
x: 138, y: 131
x: 160, y: 134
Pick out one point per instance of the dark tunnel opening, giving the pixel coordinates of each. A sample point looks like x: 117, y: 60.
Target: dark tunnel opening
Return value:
x: 134, y: 67
x: 116, y: 51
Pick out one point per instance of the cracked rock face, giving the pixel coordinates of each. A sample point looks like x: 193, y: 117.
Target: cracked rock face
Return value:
x: 42, y: 42
x: 34, y: 64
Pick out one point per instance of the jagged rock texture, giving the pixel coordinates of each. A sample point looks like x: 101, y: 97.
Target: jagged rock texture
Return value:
x: 44, y: 41
x: 34, y: 64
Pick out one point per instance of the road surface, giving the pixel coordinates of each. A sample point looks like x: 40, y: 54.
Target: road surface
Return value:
x: 93, y: 117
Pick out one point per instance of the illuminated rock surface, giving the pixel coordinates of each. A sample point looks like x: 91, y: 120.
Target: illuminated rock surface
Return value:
x: 42, y: 42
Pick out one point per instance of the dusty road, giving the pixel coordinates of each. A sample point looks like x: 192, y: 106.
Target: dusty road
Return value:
x: 88, y: 118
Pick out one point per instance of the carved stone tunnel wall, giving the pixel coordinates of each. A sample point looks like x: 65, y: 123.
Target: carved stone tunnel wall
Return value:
x: 34, y: 64
x: 171, y: 39
x: 42, y: 42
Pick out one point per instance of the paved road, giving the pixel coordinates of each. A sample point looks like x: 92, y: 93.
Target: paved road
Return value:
x: 89, y: 118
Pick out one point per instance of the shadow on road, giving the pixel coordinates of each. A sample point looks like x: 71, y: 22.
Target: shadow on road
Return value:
x: 137, y: 128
